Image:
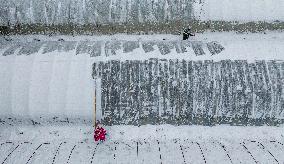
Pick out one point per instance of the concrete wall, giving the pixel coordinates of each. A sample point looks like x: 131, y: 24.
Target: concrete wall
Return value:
x: 50, y: 79
x: 57, y: 84
x: 135, y: 16
x: 190, y: 92
x: 54, y: 12
x: 55, y: 78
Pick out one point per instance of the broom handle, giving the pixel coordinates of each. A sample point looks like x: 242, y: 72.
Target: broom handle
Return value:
x: 95, y: 105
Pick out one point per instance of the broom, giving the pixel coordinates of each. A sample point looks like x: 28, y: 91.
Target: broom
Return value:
x: 99, y: 132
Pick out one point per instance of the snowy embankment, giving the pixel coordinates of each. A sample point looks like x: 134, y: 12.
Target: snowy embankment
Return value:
x: 47, y: 78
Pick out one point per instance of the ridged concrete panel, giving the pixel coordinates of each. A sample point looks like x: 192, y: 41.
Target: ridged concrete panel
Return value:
x: 190, y: 92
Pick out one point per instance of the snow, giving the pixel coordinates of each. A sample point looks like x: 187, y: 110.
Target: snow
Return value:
x: 239, y: 10
x: 246, y: 46
x: 171, y: 132
x: 145, y: 144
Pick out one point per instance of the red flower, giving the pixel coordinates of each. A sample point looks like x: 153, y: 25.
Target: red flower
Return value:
x: 100, y: 134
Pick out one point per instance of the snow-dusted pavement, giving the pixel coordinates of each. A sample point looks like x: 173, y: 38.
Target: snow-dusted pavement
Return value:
x: 145, y: 144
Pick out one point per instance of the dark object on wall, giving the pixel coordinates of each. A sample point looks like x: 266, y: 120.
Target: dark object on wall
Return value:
x: 187, y: 33
x: 4, y: 30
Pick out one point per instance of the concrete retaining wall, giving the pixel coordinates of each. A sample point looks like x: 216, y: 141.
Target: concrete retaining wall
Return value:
x: 138, y: 16
x: 51, y: 81
x: 54, y: 12
x: 190, y: 92
x: 57, y: 84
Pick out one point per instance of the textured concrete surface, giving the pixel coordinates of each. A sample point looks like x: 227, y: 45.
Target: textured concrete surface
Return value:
x: 190, y: 92
x: 138, y: 16
x: 80, y: 12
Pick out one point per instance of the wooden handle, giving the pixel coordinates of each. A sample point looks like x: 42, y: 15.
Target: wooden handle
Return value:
x: 95, y: 106
x: 95, y: 111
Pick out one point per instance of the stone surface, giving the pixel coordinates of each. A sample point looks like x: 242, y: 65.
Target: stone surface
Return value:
x: 80, y: 12
x: 191, y: 92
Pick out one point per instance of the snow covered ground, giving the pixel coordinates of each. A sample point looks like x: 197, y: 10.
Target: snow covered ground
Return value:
x: 238, y: 46
x: 146, y: 144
